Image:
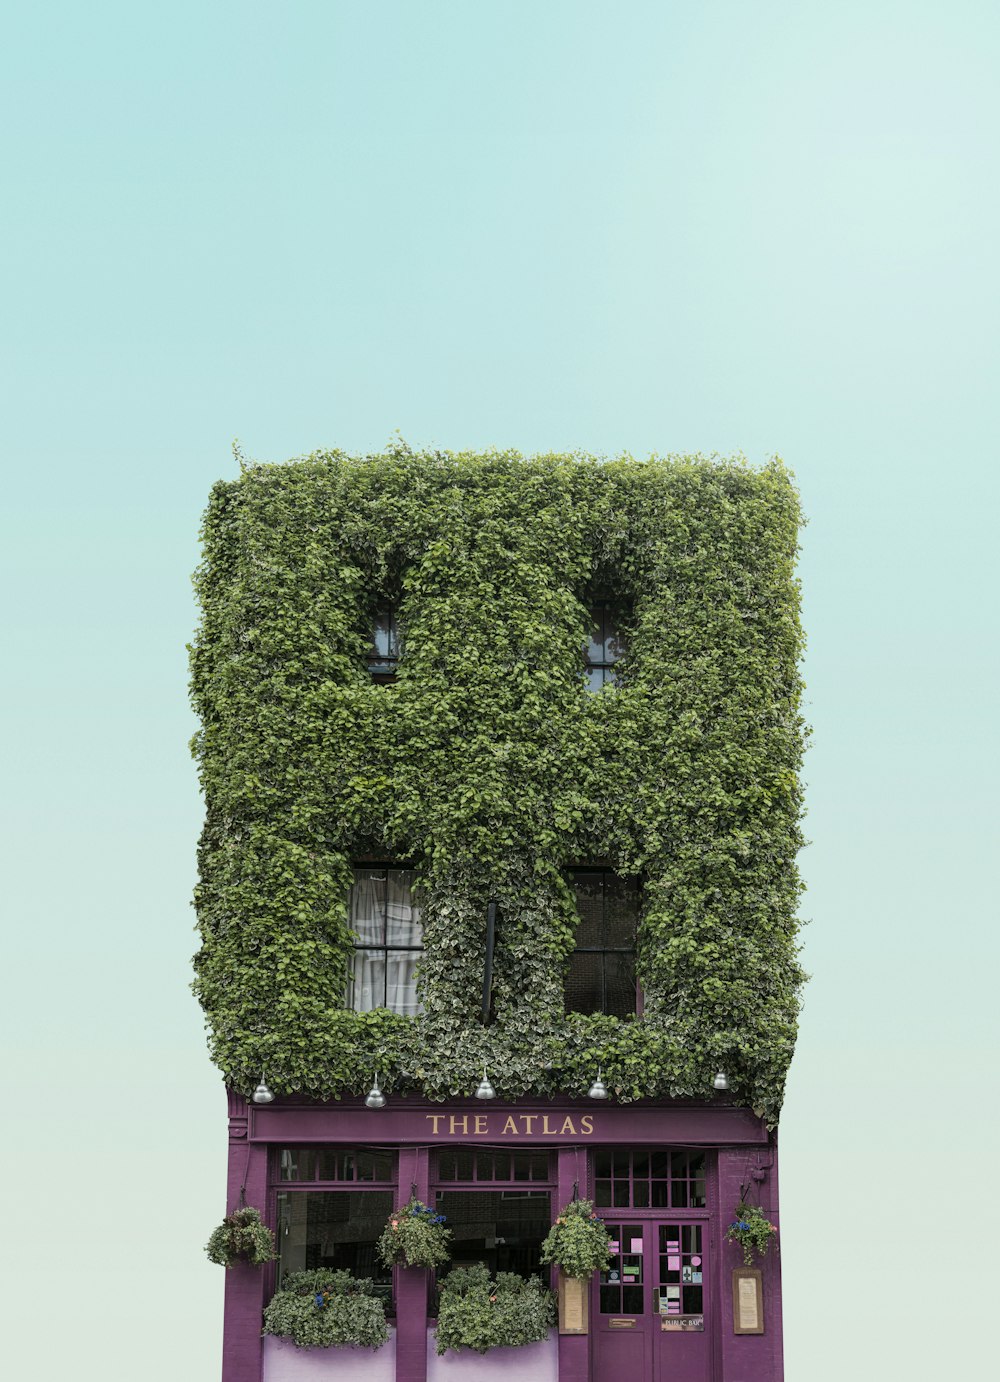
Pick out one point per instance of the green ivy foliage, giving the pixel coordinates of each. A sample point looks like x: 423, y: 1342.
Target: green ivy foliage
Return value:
x: 479, y: 1312
x: 241, y: 1237
x: 414, y: 1236
x: 578, y: 1243
x: 323, y: 1308
x: 489, y: 767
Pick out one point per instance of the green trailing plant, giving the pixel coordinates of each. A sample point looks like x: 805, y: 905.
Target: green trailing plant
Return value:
x: 490, y: 768
x: 414, y: 1236
x: 479, y: 1312
x: 578, y: 1241
x: 322, y: 1308
x: 241, y: 1237
x: 753, y: 1231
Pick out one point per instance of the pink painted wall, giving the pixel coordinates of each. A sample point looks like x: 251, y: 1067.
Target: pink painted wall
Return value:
x: 283, y: 1362
x: 530, y: 1363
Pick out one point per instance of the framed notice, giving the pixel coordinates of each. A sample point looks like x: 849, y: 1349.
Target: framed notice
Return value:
x: 573, y: 1292
x: 748, y: 1301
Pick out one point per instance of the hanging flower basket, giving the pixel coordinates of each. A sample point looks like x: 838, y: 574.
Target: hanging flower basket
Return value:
x: 414, y: 1236
x: 753, y: 1231
x: 241, y: 1237
x: 578, y: 1241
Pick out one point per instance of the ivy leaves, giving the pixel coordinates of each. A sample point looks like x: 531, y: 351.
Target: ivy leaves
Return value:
x: 490, y: 767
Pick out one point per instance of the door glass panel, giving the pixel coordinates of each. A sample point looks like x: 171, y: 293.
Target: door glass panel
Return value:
x: 622, y: 1284
x: 682, y: 1268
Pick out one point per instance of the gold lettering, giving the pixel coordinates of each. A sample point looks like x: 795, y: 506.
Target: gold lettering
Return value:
x: 510, y: 1126
x: 435, y: 1118
x: 527, y: 1119
x: 481, y: 1125
x: 546, y: 1130
x: 586, y: 1125
x: 453, y: 1123
x: 568, y: 1127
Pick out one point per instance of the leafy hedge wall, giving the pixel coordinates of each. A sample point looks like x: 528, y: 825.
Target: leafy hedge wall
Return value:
x: 491, y: 768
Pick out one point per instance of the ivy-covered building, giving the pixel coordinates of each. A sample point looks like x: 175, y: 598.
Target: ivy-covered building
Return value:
x: 498, y: 891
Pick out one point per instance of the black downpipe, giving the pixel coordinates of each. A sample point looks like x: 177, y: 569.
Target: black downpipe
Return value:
x: 491, y: 926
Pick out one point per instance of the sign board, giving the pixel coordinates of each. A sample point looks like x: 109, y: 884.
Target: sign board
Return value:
x: 573, y: 1292
x: 682, y: 1324
x: 748, y: 1301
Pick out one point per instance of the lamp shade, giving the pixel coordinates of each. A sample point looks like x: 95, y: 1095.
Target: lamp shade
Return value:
x: 262, y: 1095
x: 375, y: 1099
x: 721, y: 1081
x: 484, y: 1090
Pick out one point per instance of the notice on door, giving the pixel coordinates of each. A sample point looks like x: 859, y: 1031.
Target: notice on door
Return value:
x: 682, y: 1324
x: 748, y: 1301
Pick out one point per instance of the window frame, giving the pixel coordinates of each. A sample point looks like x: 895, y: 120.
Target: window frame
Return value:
x: 382, y: 667
x: 371, y: 865
x: 598, y: 611
x: 605, y: 950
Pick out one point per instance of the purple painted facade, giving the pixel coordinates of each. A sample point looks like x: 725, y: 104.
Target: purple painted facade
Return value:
x: 629, y: 1335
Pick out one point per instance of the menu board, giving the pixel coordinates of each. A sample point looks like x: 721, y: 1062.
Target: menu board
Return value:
x: 748, y: 1301
x: 572, y: 1305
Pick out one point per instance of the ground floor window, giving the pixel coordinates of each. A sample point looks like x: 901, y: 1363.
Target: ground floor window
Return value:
x: 334, y: 1228
x: 503, y: 1229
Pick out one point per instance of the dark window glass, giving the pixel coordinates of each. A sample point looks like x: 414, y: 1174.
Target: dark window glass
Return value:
x: 622, y: 1284
x: 603, y: 648
x: 502, y: 1228
x: 649, y: 1178
x: 335, y: 1164
x: 334, y: 1228
x: 383, y: 656
x: 388, y: 941
x: 600, y: 976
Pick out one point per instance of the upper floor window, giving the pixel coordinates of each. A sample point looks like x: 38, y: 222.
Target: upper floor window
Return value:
x: 388, y: 941
x: 601, y: 976
x: 383, y: 656
x: 603, y: 649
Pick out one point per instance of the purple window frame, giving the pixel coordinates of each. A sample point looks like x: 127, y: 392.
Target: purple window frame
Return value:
x: 277, y: 1186
x: 677, y: 1157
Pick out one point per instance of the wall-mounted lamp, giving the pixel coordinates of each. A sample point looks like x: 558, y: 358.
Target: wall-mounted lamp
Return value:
x: 485, y: 1090
x: 598, y: 1090
x: 721, y: 1081
x: 375, y: 1098
x: 262, y: 1095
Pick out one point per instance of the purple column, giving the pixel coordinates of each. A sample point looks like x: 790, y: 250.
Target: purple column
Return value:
x: 411, y: 1282
x: 750, y: 1357
x: 241, y: 1341
x: 574, y: 1349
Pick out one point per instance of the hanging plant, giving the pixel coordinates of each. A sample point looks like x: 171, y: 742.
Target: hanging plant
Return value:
x: 752, y: 1230
x: 414, y: 1236
x: 323, y: 1308
x: 241, y: 1237
x: 578, y: 1241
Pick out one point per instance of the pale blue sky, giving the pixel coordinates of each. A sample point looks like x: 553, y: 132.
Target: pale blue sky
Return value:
x: 717, y: 226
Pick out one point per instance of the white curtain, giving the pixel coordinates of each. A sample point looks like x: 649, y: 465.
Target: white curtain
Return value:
x: 383, y: 915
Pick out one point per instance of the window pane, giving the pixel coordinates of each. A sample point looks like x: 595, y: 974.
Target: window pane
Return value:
x: 583, y: 983
x: 401, y: 981
x: 334, y: 1228
x: 602, y: 1163
x: 589, y: 892
x: 500, y: 1228
x: 602, y: 1193
x: 368, y: 976
x: 501, y: 1165
x: 614, y: 644
x: 385, y: 638
x: 632, y: 1300
x: 621, y: 911
x: 368, y: 898
x: 594, y: 648
x: 596, y: 678
x: 403, y: 918
x: 619, y: 984
x: 463, y: 1165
